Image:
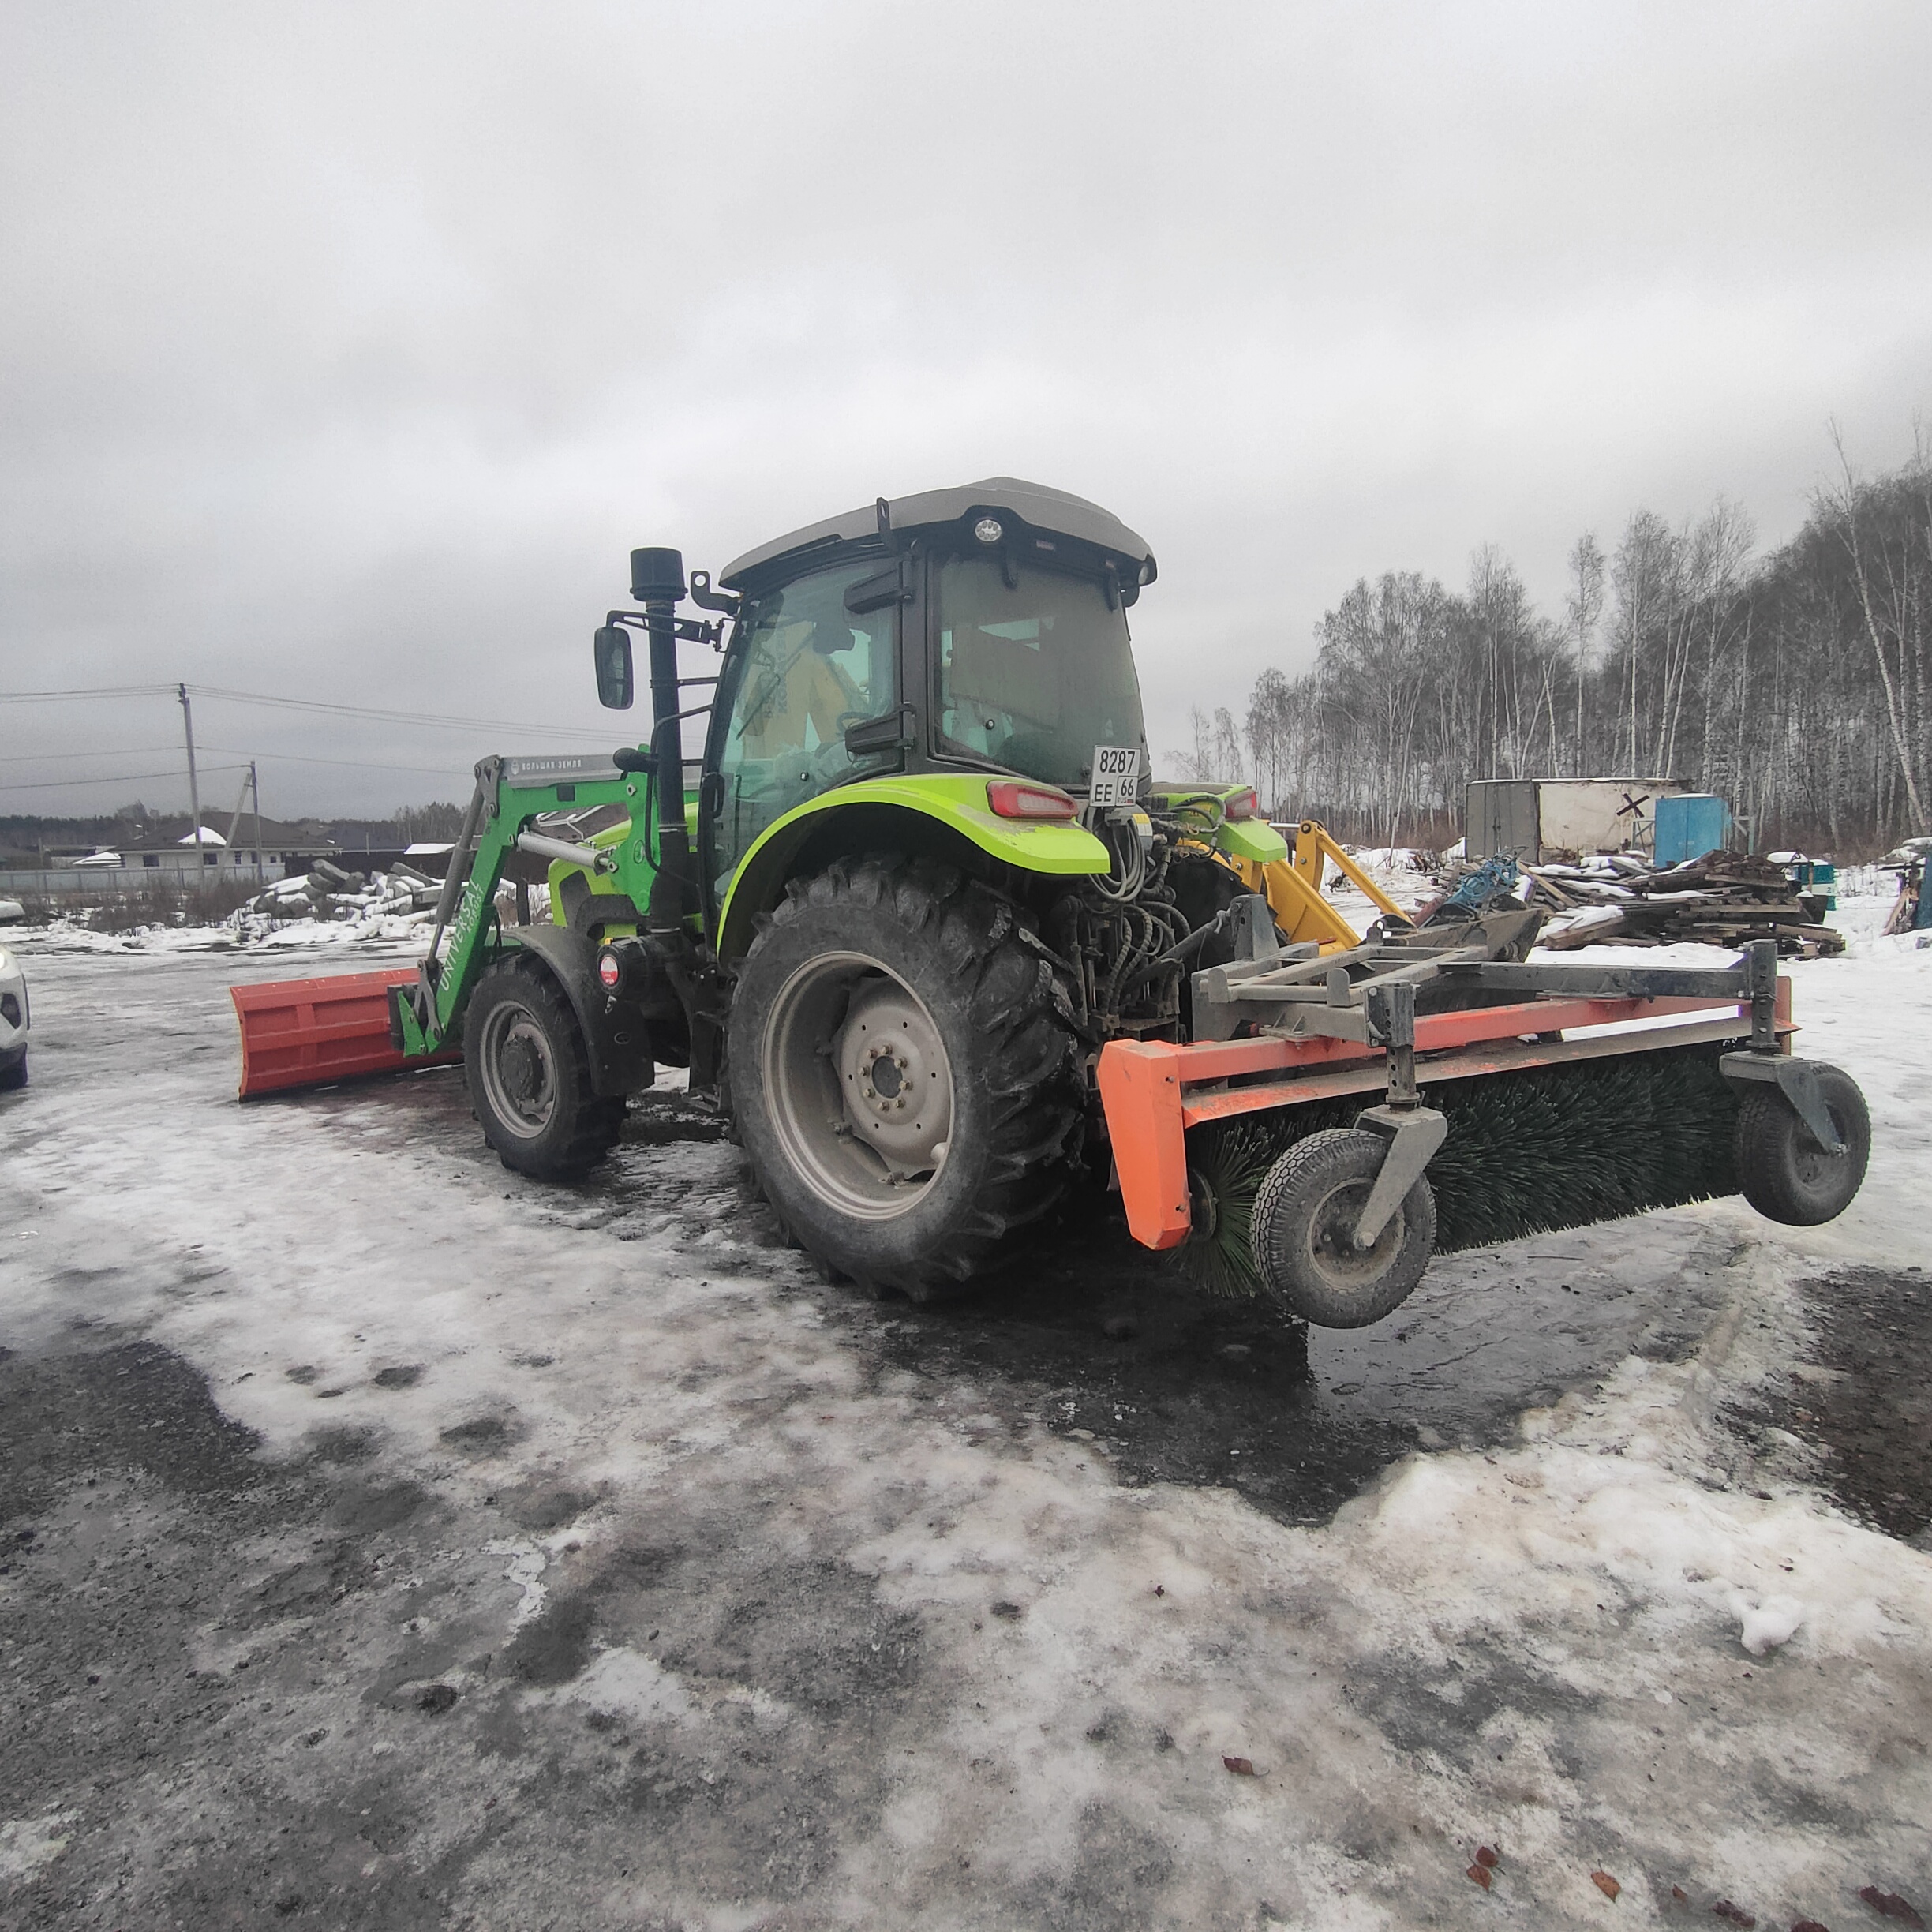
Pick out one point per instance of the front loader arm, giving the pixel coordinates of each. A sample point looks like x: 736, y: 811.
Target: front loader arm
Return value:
x: 1313, y: 844
x: 425, y: 1015
x: 427, y: 1018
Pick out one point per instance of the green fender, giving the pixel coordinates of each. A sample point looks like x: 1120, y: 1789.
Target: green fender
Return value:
x: 957, y: 801
x: 1252, y: 839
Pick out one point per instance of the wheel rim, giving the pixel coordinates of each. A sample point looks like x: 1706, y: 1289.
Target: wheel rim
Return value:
x: 859, y: 1085
x: 1818, y: 1172
x: 519, y: 1071
x: 1330, y: 1239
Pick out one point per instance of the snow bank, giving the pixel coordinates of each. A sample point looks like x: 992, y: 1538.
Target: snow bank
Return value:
x: 66, y: 935
x: 325, y: 908
x: 1682, y: 952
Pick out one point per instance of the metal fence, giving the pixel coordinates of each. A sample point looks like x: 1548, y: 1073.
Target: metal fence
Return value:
x: 86, y: 882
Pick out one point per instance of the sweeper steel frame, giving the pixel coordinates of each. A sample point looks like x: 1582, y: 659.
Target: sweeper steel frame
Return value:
x: 1332, y: 1027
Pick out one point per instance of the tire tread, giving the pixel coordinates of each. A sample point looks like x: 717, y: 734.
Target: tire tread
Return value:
x: 1768, y: 1133
x: 598, y: 1120
x: 1031, y: 1068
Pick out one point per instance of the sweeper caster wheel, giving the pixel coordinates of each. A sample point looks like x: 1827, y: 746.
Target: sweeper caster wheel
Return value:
x: 529, y: 1076
x: 1304, y: 1228
x: 1785, y: 1174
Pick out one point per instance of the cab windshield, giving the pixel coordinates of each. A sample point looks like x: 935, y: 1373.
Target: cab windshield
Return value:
x: 1033, y: 676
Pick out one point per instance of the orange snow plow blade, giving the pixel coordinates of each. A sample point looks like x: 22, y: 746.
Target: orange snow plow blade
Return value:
x: 308, y: 1033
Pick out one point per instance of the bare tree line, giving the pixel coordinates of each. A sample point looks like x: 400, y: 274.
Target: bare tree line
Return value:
x: 1797, y: 684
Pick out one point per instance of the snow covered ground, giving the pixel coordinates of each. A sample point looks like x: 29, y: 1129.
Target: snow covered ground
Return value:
x: 390, y: 1541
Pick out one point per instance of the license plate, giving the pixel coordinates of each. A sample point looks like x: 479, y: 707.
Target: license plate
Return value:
x: 1116, y: 773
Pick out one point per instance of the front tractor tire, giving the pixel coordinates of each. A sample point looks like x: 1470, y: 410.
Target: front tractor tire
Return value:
x: 901, y: 1076
x: 530, y: 1075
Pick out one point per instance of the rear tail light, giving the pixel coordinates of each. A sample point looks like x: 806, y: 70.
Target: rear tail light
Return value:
x: 1243, y: 804
x: 610, y: 969
x: 1011, y: 800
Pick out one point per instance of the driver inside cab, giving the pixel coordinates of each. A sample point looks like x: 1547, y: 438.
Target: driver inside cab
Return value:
x: 811, y: 670
x: 800, y: 691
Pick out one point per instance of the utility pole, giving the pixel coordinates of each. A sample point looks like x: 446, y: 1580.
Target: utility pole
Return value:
x: 194, y: 789
x: 251, y: 788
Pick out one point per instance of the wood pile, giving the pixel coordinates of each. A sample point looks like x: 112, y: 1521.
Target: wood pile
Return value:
x: 1726, y: 899
x: 329, y: 892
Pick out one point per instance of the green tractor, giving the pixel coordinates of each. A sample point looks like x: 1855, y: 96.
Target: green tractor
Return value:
x: 919, y: 878
x: 922, y: 921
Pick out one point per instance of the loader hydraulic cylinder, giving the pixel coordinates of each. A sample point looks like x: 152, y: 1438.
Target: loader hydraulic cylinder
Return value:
x: 588, y: 856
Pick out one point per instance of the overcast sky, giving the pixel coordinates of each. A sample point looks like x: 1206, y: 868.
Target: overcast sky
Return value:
x: 348, y: 349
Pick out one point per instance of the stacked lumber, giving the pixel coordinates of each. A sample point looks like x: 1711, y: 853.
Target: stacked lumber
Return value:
x: 1726, y: 899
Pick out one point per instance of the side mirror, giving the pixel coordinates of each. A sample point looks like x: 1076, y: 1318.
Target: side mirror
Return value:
x: 616, y: 683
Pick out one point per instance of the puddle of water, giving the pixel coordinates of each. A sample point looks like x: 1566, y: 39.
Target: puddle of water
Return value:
x: 1094, y: 1334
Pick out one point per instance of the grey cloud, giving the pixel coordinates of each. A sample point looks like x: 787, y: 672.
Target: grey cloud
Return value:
x: 347, y: 350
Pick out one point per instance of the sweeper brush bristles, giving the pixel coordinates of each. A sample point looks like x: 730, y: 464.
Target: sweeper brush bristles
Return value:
x: 1527, y: 1153
x: 1225, y: 1168
x: 1590, y: 1140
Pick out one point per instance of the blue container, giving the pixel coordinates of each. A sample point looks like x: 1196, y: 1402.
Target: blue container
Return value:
x: 1690, y: 825
x: 1817, y: 875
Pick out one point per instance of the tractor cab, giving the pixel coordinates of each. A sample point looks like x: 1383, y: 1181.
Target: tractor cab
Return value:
x: 981, y: 629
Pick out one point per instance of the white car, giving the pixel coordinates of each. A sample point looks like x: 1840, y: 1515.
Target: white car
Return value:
x: 13, y: 1022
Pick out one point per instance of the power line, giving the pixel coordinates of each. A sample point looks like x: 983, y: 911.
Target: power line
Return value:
x: 434, y: 771
x: 92, y: 690
x: 439, y: 721
x: 41, y: 758
x: 61, y: 784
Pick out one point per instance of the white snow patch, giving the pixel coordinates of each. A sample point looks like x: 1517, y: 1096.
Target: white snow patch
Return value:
x: 1766, y: 1626
x: 26, y: 1845
x: 1385, y: 858
x: 1683, y: 953
x: 630, y: 1683
x: 527, y: 1565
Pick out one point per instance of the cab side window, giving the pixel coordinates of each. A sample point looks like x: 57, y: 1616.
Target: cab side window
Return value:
x: 809, y: 670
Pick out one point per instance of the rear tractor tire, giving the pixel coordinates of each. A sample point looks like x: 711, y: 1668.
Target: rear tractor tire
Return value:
x: 902, y: 1079
x: 530, y: 1075
x: 1304, y: 1226
x: 1785, y: 1174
